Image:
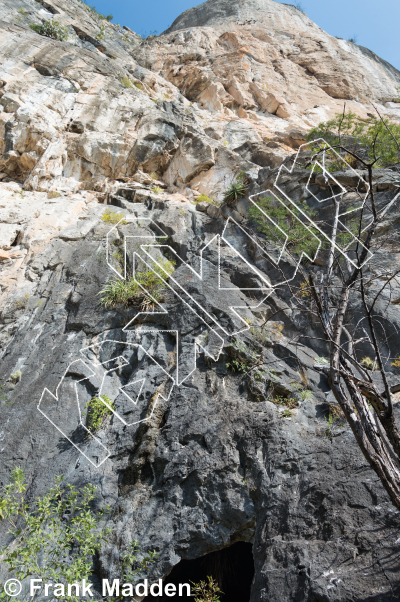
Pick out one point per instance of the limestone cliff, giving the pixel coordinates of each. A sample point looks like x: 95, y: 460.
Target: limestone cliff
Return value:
x: 106, y: 118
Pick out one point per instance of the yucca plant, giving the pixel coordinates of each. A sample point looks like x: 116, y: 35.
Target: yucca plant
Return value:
x: 236, y: 189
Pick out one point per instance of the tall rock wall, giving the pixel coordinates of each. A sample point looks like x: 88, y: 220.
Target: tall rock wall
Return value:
x: 146, y: 126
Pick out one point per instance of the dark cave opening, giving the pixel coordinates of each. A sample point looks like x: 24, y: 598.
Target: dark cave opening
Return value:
x: 232, y: 568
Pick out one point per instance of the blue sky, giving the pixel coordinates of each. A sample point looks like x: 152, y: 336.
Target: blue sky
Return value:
x: 375, y: 24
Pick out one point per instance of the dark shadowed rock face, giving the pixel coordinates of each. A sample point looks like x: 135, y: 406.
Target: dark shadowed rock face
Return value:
x: 214, y: 465
x: 146, y: 126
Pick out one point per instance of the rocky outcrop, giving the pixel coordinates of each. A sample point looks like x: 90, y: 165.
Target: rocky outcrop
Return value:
x: 106, y: 120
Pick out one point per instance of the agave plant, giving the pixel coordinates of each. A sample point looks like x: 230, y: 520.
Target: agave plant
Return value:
x: 237, y: 189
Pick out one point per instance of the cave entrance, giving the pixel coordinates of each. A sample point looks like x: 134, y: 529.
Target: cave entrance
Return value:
x: 232, y: 568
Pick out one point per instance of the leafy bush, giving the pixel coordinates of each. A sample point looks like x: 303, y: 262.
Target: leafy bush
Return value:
x: 237, y: 189
x: 130, y: 292
x: 300, y: 239
x: 58, y: 535
x: 359, y: 136
x: 206, y: 591
x: 56, y: 538
x: 112, y: 217
x: 156, y: 189
x: 98, y: 411
x: 51, y: 29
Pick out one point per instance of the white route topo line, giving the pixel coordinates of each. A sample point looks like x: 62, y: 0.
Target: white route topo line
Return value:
x: 176, y: 380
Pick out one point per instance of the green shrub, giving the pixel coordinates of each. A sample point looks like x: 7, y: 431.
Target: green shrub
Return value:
x: 203, y: 198
x: 237, y: 189
x: 112, y: 217
x: 130, y: 292
x: 22, y: 303
x: 306, y: 395
x: 300, y: 239
x: 51, y: 29
x: 359, y: 136
x: 368, y: 363
x: 289, y: 402
x: 206, y: 591
x: 126, y: 82
x: 156, y: 189
x: 57, y: 536
x: 16, y: 377
x: 102, y: 33
x: 97, y: 411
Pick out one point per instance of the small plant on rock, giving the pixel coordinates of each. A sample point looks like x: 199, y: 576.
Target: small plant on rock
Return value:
x: 306, y: 395
x: 236, y: 190
x: 145, y: 290
x: 396, y: 363
x: 112, y: 217
x: 97, y: 411
x: 331, y: 425
x: 206, y: 591
x: 102, y: 33
x: 16, y: 377
x: 126, y: 82
x: 353, y: 39
x: 286, y: 413
x: 51, y: 29
x: 21, y: 303
x: 289, y: 402
x: 203, y: 198
x: 368, y: 363
x: 299, y: 7
x: 322, y: 361
x: 156, y: 189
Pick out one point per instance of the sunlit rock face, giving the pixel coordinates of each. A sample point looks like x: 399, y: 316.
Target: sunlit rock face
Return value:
x: 146, y: 127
